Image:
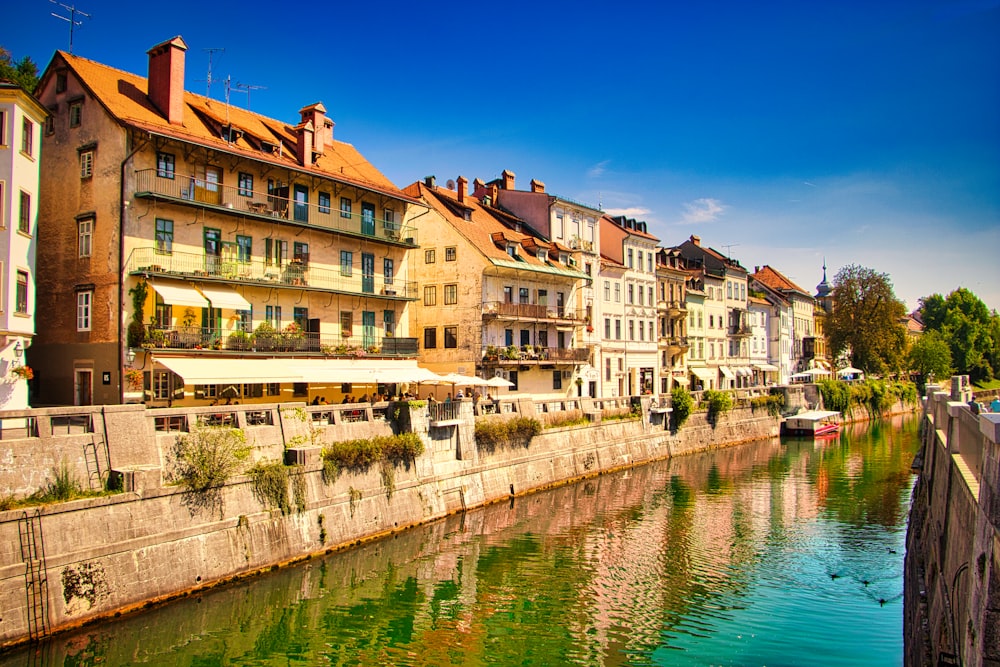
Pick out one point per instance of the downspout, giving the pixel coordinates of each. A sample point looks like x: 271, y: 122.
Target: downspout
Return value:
x: 123, y: 206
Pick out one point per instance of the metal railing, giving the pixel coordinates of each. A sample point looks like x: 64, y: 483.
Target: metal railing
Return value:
x: 528, y: 353
x: 257, y: 271
x: 271, y: 340
x: 228, y: 198
x: 534, y: 311
x: 443, y: 411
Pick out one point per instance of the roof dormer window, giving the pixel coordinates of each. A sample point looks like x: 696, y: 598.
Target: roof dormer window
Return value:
x: 543, y: 255
x: 512, y: 249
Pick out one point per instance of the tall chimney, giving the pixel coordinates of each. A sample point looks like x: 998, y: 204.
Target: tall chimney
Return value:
x: 696, y: 240
x: 322, y: 126
x: 165, y: 87
x: 460, y: 183
x: 508, y: 179
x: 304, y: 132
x: 537, y: 185
x: 430, y: 181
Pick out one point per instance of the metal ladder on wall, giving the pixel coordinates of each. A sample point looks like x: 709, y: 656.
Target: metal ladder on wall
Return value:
x: 35, y: 579
x: 91, y: 454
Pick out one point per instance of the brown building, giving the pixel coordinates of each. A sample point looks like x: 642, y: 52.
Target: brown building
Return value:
x: 227, y: 251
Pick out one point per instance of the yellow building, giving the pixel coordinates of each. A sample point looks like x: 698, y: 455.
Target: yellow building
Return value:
x: 232, y: 254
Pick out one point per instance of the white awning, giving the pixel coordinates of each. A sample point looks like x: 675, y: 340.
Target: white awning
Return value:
x: 765, y: 367
x: 220, y: 371
x: 180, y: 295
x: 681, y: 380
x: 222, y: 297
x: 744, y: 371
x: 361, y: 371
x: 703, y: 373
x: 727, y: 372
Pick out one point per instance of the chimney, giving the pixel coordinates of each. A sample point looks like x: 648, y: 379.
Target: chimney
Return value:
x: 304, y: 132
x: 322, y: 126
x: 460, y: 185
x: 430, y: 181
x: 508, y: 179
x: 536, y: 185
x: 165, y: 87
x: 494, y: 193
x: 756, y: 269
x: 696, y: 240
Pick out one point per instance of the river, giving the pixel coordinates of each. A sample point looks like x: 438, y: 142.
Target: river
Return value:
x: 781, y: 552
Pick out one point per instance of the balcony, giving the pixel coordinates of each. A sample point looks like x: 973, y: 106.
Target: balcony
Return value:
x: 532, y: 311
x: 294, y: 274
x: 739, y: 330
x: 533, y: 354
x: 277, y: 206
x: 267, y: 340
x: 676, y: 309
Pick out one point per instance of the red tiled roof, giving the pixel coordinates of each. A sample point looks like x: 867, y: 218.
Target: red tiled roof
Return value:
x: 777, y: 281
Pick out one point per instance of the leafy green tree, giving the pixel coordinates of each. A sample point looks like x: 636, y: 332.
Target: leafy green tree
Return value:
x: 24, y: 72
x: 970, y: 330
x: 931, y: 356
x: 865, y: 322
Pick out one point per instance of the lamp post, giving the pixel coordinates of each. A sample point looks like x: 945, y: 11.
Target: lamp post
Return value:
x: 130, y: 356
x: 18, y: 352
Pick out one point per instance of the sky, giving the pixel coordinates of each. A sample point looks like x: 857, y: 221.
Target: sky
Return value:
x: 782, y: 133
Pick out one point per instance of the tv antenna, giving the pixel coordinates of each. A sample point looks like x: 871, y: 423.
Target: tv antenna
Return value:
x: 71, y: 19
x: 246, y: 88
x: 209, y: 81
x: 729, y: 249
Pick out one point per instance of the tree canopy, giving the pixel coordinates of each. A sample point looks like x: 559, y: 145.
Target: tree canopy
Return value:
x: 931, y: 356
x: 971, y: 332
x: 24, y: 72
x: 865, y: 322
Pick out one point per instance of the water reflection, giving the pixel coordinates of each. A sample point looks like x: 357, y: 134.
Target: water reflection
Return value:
x: 771, y: 553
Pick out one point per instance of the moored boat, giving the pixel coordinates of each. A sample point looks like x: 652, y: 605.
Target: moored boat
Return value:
x: 812, y: 423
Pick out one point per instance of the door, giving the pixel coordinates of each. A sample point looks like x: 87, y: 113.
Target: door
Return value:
x: 312, y: 334
x: 368, y: 328
x: 83, y: 387
x: 208, y: 184
x: 301, y: 203
x: 213, y: 249
x: 367, y: 273
x: 368, y: 219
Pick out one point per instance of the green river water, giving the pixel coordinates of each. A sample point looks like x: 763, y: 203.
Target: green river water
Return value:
x: 774, y: 553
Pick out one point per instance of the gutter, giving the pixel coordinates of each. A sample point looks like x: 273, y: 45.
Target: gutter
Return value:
x: 122, y: 209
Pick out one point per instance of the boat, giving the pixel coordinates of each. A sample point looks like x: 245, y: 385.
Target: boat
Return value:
x: 812, y: 423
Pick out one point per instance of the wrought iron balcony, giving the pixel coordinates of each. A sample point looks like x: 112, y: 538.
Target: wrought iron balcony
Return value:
x: 532, y: 311
x: 534, y: 354
x: 269, y: 340
x: 277, y: 206
x: 293, y: 274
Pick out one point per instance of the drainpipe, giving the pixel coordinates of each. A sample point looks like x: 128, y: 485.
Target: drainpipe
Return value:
x: 122, y: 209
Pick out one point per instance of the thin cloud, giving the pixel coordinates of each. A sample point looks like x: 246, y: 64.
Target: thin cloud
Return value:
x: 598, y: 169
x: 704, y: 209
x: 630, y: 212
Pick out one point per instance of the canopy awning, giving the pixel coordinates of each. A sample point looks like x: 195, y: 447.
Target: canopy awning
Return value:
x: 362, y: 371
x: 180, y: 295
x: 221, y: 297
x: 726, y: 371
x: 743, y: 371
x: 681, y: 380
x: 221, y: 371
x: 703, y: 373
x: 765, y: 367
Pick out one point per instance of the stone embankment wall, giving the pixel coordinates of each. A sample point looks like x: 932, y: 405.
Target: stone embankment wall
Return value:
x: 952, y: 567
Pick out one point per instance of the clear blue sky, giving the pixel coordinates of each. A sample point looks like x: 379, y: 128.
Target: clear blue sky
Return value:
x: 782, y: 133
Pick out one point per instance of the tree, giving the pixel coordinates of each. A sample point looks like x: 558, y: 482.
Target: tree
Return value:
x: 930, y: 355
x: 971, y: 332
x: 865, y: 322
x: 24, y: 72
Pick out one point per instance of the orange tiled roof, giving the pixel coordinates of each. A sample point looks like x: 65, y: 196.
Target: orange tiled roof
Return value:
x: 777, y: 281
x: 123, y: 95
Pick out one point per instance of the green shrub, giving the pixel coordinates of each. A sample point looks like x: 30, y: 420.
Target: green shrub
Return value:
x: 565, y: 418
x: 773, y: 403
x: 363, y: 453
x: 492, y: 434
x: 270, y: 485
x: 208, y: 456
x: 63, y: 485
x: 681, y: 403
x: 719, y: 403
x: 837, y: 396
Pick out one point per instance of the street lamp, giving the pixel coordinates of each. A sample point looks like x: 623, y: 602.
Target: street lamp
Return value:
x: 130, y: 356
x: 18, y: 351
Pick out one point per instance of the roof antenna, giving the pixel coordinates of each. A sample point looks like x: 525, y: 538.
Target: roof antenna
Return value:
x: 246, y: 88
x: 209, y: 81
x: 73, y: 12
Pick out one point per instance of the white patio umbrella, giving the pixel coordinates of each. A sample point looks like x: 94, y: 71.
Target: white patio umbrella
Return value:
x: 850, y: 370
x: 499, y: 382
x: 816, y: 371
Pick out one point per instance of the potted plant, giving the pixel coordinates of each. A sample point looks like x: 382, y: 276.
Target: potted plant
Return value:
x: 492, y: 354
x: 291, y: 336
x: 133, y: 378
x: 22, y: 372
x: 265, y: 336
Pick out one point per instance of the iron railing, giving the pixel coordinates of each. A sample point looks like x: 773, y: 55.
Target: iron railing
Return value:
x: 502, y: 309
x: 534, y: 353
x: 291, y: 339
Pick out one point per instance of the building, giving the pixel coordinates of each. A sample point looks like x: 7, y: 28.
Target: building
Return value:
x: 803, y: 323
x: 628, y: 265
x: 671, y: 315
x: 498, y: 299
x: 222, y: 253
x: 21, y: 122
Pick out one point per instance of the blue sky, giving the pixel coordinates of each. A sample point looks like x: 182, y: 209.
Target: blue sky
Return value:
x: 782, y: 133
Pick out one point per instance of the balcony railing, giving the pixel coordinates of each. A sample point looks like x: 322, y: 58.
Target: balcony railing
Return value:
x: 532, y: 311
x: 739, y: 330
x: 291, y: 274
x: 228, y: 198
x: 534, y: 354
x: 288, y: 340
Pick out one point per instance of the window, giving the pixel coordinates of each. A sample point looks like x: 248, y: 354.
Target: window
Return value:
x: 162, y: 312
x: 651, y: 295
x: 557, y: 379
x: 24, y: 219
x: 389, y: 322
x: 244, y: 248
x: 61, y: 82
x: 607, y: 328
x: 86, y: 164
x: 543, y: 297
x: 522, y: 295
x: 21, y: 293
x: 273, y: 388
x: 245, y: 320
x: 508, y: 337
x: 508, y: 294
x: 450, y: 253
x: 618, y: 292
x: 631, y: 330
x: 631, y: 293
x: 430, y: 338
x: 27, y: 136
x: 300, y: 252
x: 346, y: 323
x: 630, y: 260
x: 3, y: 127
x: 165, y: 165
x: 451, y: 337
x: 245, y: 184
x: 345, y: 207
x: 607, y: 290
x: 450, y: 295
x: 84, y: 300
x: 649, y: 262
x: 388, y: 271
x: 607, y: 370
x: 273, y: 316
x: 430, y: 295
x: 512, y: 250
x: 85, y: 237
x: 324, y: 202
x: 164, y: 236
x: 75, y: 113
x: 618, y: 329
x: 429, y: 256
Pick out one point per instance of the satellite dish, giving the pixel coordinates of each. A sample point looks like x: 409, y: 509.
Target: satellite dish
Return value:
x: 450, y: 184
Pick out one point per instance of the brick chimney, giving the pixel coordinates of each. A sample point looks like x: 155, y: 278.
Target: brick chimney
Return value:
x: 165, y: 87
x: 304, y: 133
x: 696, y: 240
x: 537, y: 186
x: 477, y: 186
x: 460, y: 185
x: 322, y: 126
x: 508, y: 179
x: 430, y: 181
